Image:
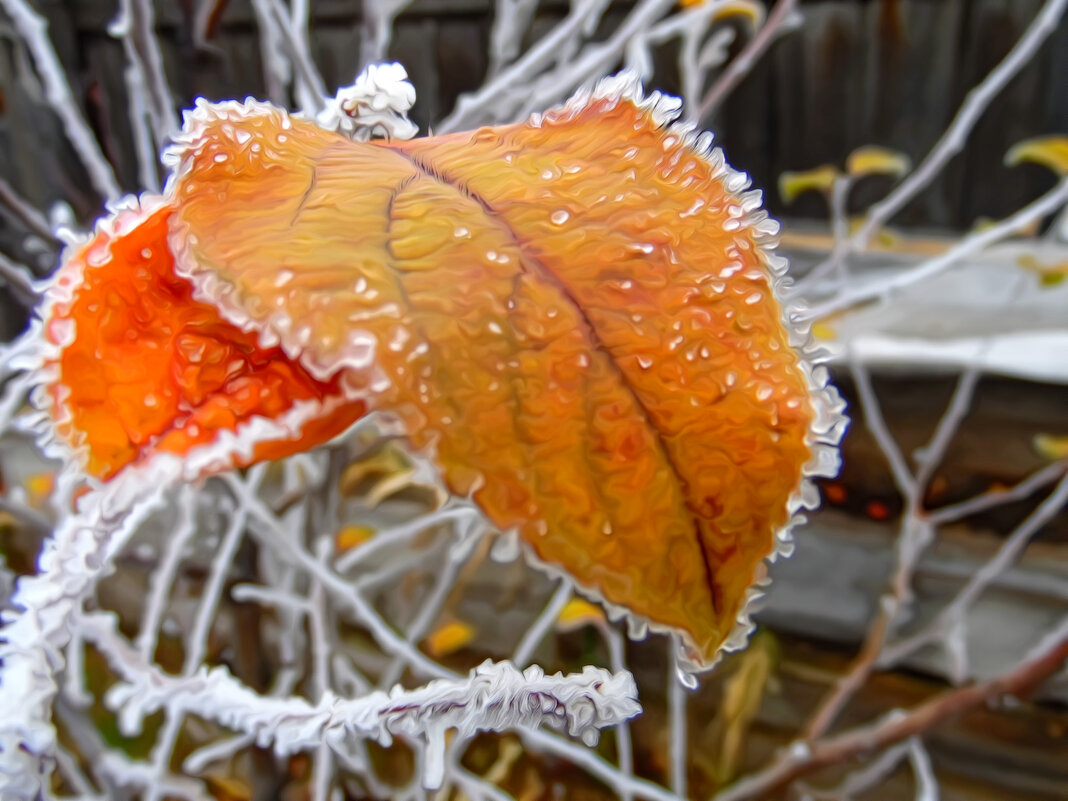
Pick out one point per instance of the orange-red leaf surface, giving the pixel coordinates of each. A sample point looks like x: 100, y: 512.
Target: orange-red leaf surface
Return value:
x: 576, y: 314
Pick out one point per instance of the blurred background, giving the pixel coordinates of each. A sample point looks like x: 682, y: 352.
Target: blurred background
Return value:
x: 957, y: 381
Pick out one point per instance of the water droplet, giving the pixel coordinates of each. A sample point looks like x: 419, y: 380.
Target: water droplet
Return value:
x: 559, y: 217
x: 283, y: 277
x: 645, y: 362
x: 494, y: 327
x: 361, y: 285
x: 754, y: 298
x: 461, y: 232
x: 146, y: 253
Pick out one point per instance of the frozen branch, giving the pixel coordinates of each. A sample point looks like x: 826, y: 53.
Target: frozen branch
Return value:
x: 35, y: 634
x: 33, y: 30
x: 953, y: 614
x: 781, y: 19
x: 493, y: 697
x: 20, y: 281
x: 803, y: 758
x: 35, y: 222
x: 1033, y: 212
x: 955, y: 136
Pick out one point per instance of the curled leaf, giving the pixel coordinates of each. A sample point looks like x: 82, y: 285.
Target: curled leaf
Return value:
x: 820, y: 179
x: 576, y: 316
x: 1049, y: 151
x: 872, y: 160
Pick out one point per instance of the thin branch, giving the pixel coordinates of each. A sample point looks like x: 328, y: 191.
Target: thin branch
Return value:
x: 1034, y: 211
x: 33, y: 30
x: 1006, y: 555
x: 20, y: 281
x: 679, y: 736
x: 35, y: 222
x: 779, y: 21
x: 998, y: 497
x: 801, y: 758
x: 537, y: 631
x: 955, y: 136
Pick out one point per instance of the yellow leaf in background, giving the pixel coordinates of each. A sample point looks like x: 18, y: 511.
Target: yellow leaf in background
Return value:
x: 821, y: 179
x: 1049, y: 151
x: 448, y: 638
x: 350, y: 537
x: 578, y: 613
x: 1051, y: 447
x: 822, y: 330
x: 753, y: 12
x: 1048, y: 275
x: 871, y: 160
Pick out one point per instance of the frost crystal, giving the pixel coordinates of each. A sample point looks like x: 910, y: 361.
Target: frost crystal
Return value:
x: 377, y: 104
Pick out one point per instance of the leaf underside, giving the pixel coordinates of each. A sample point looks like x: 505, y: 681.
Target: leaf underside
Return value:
x: 575, y: 315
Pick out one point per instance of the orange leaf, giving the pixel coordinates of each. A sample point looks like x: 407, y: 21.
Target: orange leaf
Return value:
x: 576, y: 313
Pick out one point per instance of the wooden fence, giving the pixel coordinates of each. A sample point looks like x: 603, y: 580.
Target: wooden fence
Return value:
x: 888, y: 72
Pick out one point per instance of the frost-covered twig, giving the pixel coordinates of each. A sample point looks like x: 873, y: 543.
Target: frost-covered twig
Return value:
x: 955, y: 136
x: 493, y: 697
x: 36, y: 632
x: 803, y: 758
x: 782, y: 18
x: 999, y: 496
x: 35, y: 222
x: 271, y: 533
x: 536, y: 632
x: 501, y: 98
x: 953, y: 613
x: 19, y: 280
x: 968, y: 245
x: 33, y: 30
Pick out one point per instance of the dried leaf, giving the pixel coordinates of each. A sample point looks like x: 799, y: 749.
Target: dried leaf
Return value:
x: 576, y: 315
x: 378, y: 476
x: 820, y: 179
x: 354, y: 536
x: 448, y: 638
x: 1051, y: 447
x: 1048, y: 275
x: 1049, y: 151
x: 579, y: 612
x: 872, y: 160
x: 743, y: 694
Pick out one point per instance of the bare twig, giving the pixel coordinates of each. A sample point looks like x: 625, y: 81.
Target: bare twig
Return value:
x: 536, y: 632
x: 1006, y: 555
x: 19, y: 279
x: 803, y: 758
x: 35, y: 222
x: 1047, y: 204
x: 997, y: 497
x: 779, y: 20
x: 33, y: 30
x: 955, y: 136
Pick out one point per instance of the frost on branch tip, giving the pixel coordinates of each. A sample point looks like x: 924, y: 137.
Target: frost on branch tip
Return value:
x: 377, y: 104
